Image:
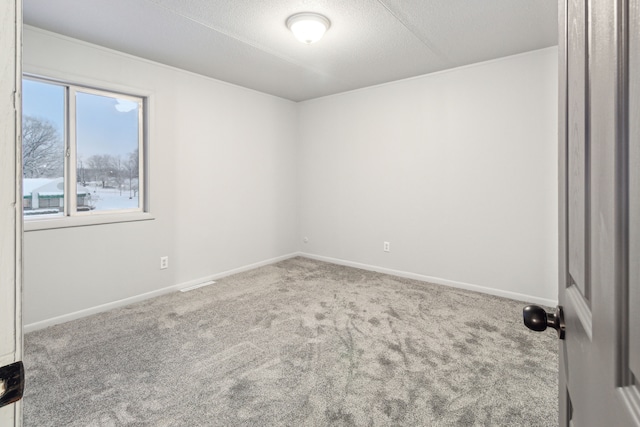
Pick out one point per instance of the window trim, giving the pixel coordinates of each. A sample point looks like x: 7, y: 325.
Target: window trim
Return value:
x: 73, y: 165
x: 70, y: 217
x: 82, y: 221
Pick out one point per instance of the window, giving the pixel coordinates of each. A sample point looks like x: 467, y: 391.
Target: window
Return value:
x: 82, y: 142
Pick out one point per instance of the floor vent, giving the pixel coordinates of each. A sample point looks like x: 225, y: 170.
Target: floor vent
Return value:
x: 199, y: 285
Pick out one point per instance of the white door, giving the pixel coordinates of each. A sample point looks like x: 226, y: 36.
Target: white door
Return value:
x: 11, y: 379
x: 599, y: 155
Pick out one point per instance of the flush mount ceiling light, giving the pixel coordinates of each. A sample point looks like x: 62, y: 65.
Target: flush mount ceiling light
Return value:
x: 308, y: 27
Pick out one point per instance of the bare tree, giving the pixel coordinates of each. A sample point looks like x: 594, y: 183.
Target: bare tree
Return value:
x: 134, y: 159
x: 42, y: 148
x: 132, y: 168
x: 81, y: 170
x: 102, y: 167
x: 118, y: 171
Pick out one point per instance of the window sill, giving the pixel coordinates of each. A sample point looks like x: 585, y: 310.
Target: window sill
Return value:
x: 82, y: 221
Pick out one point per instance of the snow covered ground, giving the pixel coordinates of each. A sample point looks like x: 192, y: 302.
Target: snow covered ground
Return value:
x: 112, y: 198
x: 99, y: 199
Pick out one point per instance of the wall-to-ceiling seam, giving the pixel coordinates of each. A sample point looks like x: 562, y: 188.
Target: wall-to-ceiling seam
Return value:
x: 427, y: 43
x: 246, y: 42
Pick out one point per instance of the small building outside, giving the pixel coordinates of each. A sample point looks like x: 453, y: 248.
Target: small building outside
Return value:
x: 42, y: 196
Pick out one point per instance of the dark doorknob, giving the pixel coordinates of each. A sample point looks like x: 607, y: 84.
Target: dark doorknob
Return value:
x: 537, y: 319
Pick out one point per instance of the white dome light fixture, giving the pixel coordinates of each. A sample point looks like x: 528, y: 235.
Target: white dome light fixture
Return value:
x: 308, y: 27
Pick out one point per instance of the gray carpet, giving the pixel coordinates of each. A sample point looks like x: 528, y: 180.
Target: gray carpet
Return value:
x: 297, y: 343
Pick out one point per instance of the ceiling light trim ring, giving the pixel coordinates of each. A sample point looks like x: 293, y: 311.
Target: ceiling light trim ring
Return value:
x: 296, y: 23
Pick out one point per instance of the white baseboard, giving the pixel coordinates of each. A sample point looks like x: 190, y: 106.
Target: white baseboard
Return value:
x: 235, y: 271
x: 136, y: 298
x: 460, y: 285
x: 97, y: 309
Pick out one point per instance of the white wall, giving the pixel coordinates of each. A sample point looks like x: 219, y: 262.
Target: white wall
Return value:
x: 457, y: 170
x: 222, y: 186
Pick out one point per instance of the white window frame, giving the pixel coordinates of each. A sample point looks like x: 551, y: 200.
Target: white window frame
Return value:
x: 71, y: 217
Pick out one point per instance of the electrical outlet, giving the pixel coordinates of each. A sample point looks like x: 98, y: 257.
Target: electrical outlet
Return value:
x: 387, y: 247
x: 164, y: 262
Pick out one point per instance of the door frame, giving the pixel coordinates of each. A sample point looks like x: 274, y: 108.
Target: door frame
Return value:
x: 11, y: 195
x: 563, y: 400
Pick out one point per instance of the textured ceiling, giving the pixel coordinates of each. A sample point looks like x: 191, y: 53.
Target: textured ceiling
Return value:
x: 247, y: 43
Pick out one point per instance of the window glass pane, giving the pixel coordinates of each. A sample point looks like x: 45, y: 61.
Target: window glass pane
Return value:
x: 43, y: 107
x: 107, y: 141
